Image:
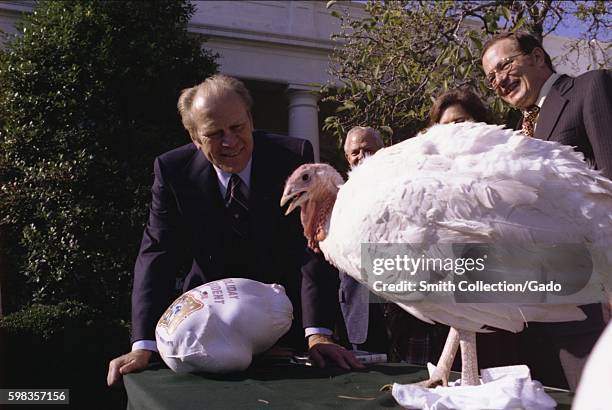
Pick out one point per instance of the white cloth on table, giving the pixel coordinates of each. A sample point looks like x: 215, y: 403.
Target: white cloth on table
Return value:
x: 502, y: 388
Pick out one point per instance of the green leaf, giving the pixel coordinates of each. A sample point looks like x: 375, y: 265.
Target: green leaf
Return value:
x: 386, y: 17
x: 476, y: 41
x: 507, y: 14
x: 519, y: 24
x: 468, y: 70
x: 346, y: 106
x: 443, y: 56
x: 330, y: 119
x: 493, y: 26
x: 467, y: 52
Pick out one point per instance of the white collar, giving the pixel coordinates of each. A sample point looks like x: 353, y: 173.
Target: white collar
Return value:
x: 224, y: 177
x: 546, y: 88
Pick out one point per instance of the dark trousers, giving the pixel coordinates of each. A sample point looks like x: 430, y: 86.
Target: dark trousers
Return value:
x: 555, y: 352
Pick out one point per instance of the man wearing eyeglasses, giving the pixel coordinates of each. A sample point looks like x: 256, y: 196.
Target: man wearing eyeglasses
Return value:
x: 215, y: 202
x: 573, y: 111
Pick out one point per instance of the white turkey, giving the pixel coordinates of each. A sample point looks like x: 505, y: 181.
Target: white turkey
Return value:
x: 458, y: 183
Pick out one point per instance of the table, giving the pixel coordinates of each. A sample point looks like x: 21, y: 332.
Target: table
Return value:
x: 286, y: 386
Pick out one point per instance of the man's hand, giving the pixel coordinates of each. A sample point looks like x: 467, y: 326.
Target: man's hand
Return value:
x: 128, y: 363
x: 322, y: 350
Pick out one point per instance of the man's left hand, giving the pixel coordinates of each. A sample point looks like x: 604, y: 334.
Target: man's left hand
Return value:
x: 323, y: 350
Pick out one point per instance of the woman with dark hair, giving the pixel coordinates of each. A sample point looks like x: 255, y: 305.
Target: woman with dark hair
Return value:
x: 457, y: 106
x: 411, y: 339
x: 418, y: 342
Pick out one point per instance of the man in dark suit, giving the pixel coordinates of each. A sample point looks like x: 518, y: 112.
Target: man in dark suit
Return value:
x: 573, y: 111
x: 215, y: 201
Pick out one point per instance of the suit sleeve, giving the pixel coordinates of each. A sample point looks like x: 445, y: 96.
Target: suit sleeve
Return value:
x: 157, y: 262
x: 319, y: 280
x: 319, y: 292
x: 597, y: 114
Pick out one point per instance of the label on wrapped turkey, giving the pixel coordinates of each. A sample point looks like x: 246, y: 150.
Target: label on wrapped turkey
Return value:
x: 217, y: 327
x: 178, y: 311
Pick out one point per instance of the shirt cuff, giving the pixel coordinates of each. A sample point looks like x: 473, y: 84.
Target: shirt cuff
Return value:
x: 318, y: 331
x: 145, y: 345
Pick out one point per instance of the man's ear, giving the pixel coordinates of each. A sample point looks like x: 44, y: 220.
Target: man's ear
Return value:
x: 539, y: 57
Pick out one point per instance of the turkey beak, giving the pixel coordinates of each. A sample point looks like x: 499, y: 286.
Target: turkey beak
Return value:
x: 294, y: 197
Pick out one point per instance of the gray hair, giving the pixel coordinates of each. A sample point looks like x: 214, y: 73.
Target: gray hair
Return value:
x: 369, y: 132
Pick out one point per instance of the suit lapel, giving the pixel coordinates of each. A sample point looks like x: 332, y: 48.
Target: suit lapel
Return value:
x: 553, y: 107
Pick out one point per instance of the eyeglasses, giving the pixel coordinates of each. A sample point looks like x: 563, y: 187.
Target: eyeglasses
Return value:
x: 502, y: 68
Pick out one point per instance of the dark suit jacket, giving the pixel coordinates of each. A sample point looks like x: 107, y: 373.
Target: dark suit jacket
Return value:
x: 578, y: 112
x: 187, y: 216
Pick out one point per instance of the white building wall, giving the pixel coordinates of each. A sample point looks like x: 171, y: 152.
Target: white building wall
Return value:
x: 279, y: 41
x: 577, y: 61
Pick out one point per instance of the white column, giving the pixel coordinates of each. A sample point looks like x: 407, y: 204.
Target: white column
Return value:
x: 304, y: 114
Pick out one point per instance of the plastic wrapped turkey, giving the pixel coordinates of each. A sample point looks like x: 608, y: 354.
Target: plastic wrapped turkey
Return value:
x: 219, y: 326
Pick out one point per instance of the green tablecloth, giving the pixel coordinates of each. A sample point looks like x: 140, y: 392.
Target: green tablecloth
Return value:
x: 276, y: 387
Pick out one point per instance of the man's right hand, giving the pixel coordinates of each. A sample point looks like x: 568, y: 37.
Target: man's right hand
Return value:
x: 323, y: 350
x: 128, y: 363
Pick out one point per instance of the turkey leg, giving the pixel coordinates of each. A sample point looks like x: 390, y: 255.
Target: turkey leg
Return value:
x: 469, y: 359
x: 443, y: 367
x: 439, y: 376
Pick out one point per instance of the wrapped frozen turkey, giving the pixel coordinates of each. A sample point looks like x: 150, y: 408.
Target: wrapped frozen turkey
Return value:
x: 219, y: 326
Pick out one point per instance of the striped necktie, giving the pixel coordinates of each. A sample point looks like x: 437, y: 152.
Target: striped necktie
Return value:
x: 529, y: 118
x: 238, y: 208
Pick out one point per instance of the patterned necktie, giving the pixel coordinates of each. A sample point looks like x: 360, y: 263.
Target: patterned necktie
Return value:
x: 238, y: 208
x: 529, y: 118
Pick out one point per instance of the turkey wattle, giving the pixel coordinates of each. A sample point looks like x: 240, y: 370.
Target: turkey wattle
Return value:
x: 457, y: 183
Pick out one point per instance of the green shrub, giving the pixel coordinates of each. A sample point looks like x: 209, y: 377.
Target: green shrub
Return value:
x: 88, y: 95
x: 44, y: 322
x: 66, y: 346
